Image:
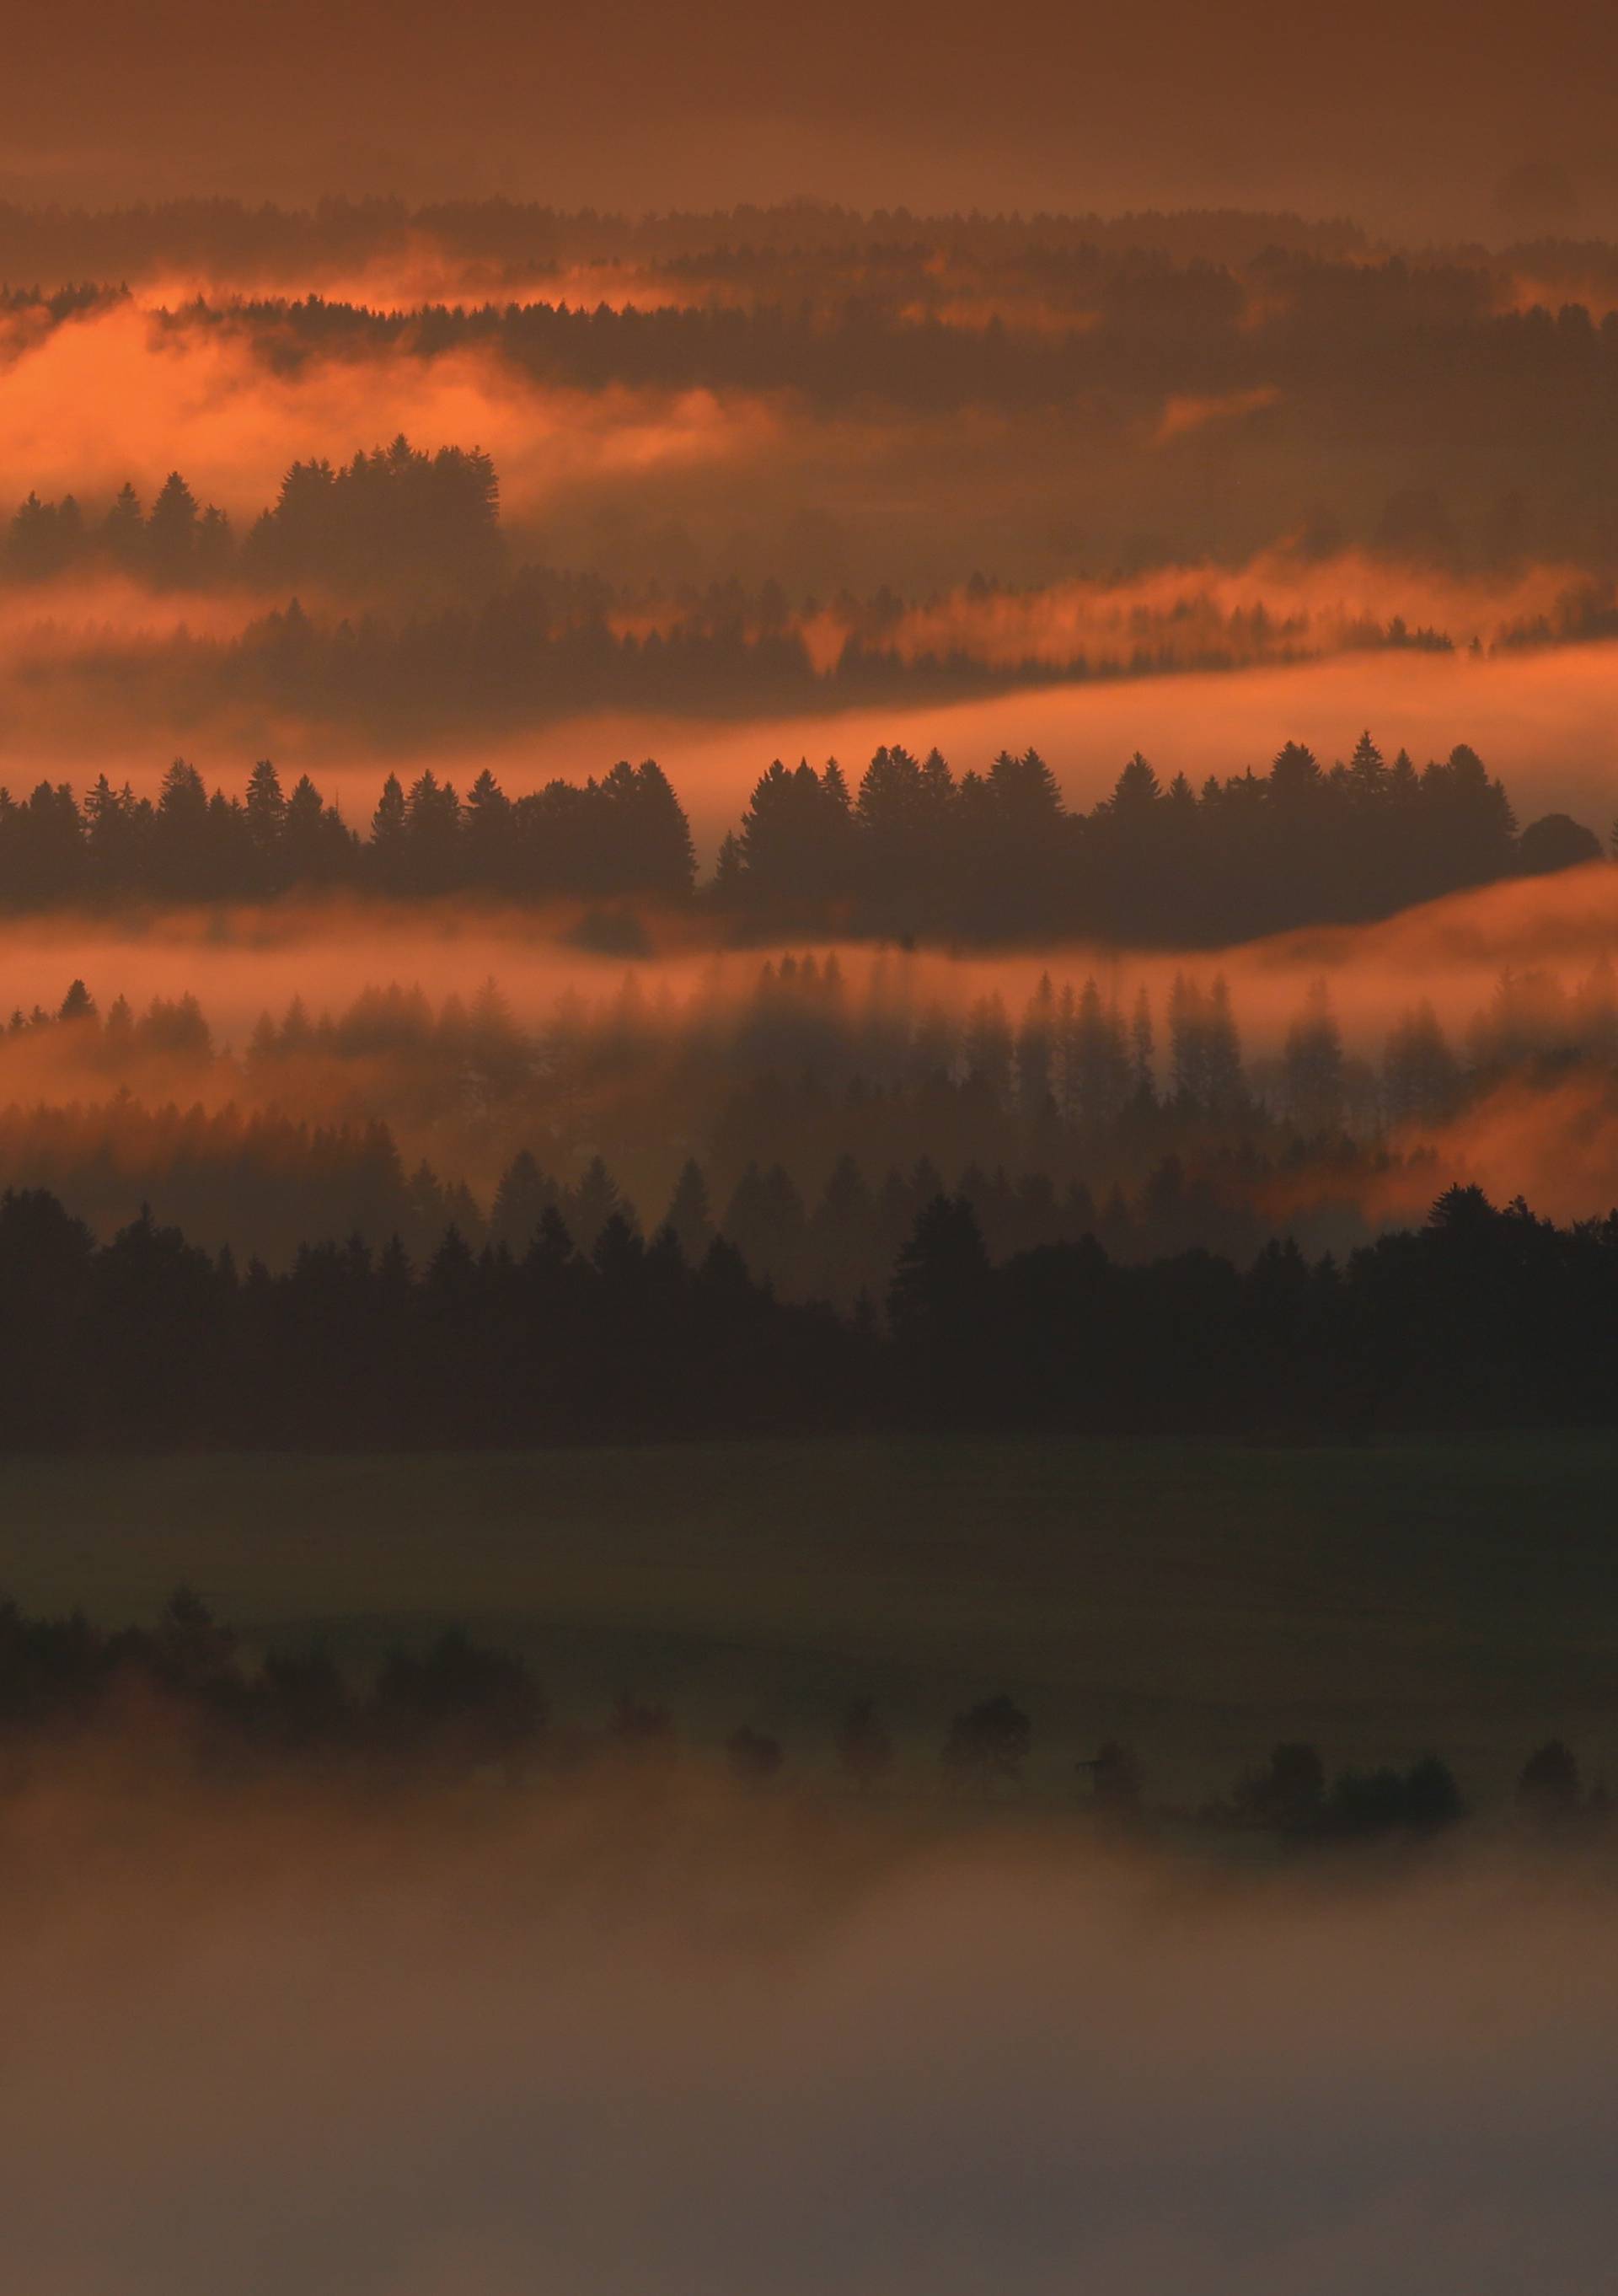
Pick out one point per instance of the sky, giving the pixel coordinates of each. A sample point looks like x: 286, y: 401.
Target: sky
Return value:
x: 1430, y: 117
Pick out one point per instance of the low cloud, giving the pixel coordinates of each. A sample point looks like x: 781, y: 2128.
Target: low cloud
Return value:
x: 118, y: 393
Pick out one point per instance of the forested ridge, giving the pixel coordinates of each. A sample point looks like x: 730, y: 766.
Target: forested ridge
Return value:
x: 1481, y: 1318
x: 913, y: 850
x: 1450, y: 408
x: 384, y: 592
x: 806, y: 1110
x: 997, y: 854
x: 61, y: 239
x: 395, y: 515
x: 546, y: 646
x: 1295, y: 320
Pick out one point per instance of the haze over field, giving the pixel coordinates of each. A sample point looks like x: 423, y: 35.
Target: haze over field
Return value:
x: 549, y: 2050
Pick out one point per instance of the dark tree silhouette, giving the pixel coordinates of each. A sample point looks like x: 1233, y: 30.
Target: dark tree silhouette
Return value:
x: 988, y: 1744
x: 468, y: 1704
x: 1555, y: 841
x: 993, y: 856
x: 1115, y: 1780
x: 755, y: 1758
x: 1548, y: 1789
x: 1423, y: 1800
x: 1483, y: 1317
x: 1290, y: 1795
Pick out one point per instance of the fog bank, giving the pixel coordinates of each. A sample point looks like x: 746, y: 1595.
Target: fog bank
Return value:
x: 703, y: 2048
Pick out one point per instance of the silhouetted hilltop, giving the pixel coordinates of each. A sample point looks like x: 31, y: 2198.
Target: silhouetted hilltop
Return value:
x: 913, y: 850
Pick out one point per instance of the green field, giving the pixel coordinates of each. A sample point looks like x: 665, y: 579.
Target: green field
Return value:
x: 1198, y: 1601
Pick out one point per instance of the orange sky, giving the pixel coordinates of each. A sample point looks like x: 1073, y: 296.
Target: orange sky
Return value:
x: 1413, y: 112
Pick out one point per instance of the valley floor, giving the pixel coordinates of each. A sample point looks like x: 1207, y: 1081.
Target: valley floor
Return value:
x: 1198, y: 1601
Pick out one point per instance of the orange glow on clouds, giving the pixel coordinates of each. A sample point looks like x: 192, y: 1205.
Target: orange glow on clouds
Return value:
x: 1182, y: 414
x: 113, y: 395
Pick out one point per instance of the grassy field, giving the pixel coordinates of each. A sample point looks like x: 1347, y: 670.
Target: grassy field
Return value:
x: 1200, y: 1602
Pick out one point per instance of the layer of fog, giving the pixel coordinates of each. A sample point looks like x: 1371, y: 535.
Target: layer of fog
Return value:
x: 1550, y: 1136
x: 1554, y: 1143
x: 1543, y: 721
x: 706, y: 2048
x: 1273, y: 608
x: 707, y: 482
x: 244, y: 961
x: 113, y: 395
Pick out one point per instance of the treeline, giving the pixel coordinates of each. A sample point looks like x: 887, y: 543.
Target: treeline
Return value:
x: 998, y: 855
x: 803, y: 1115
x: 993, y: 856
x: 394, y: 517
x: 1434, y: 421
x: 455, y: 1708
x: 1480, y: 1319
x: 60, y: 242
x: 626, y: 833
x: 508, y: 659
x: 415, y: 620
x: 1371, y: 369
x: 269, y: 1184
x: 1326, y: 329
x: 397, y: 522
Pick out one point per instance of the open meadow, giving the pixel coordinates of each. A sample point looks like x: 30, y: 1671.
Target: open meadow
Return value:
x: 1198, y: 1601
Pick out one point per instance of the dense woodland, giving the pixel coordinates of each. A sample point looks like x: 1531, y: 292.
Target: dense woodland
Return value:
x: 397, y: 516
x: 405, y: 613
x: 626, y: 833
x: 1135, y: 322
x: 545, y: 647
x: 397, y: 522
x: 1172, y: 388
x: 1327, y: 331
x: 404, y: 609
x: 804, y: 1114
x: 997, y: 854
x: 1442, y: 413
x: 1456, y: 406
x: 1482, y: 1318
x: 913, y: 850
